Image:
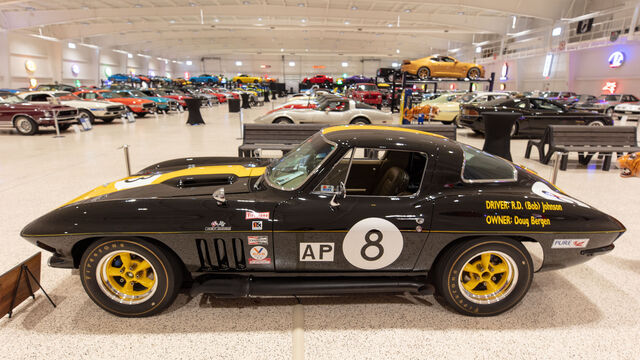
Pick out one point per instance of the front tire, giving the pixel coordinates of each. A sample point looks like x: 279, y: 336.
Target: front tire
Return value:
x: 596, y: 123
x: 140, y: 115
x: 360, y: 121
x: 282, y: 121
x: 514, y: 129
x: 25, y: 125
x: 86, y: 114
x: 483, y: 277
x: 107, y: 121
x: 130, y: 278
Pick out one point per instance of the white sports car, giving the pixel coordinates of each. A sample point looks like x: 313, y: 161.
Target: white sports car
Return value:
x: 89, y: 109
x: 331, y: 109
x: 630, y: 110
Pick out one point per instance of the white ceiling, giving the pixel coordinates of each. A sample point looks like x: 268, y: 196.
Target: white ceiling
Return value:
x: 181, y: 29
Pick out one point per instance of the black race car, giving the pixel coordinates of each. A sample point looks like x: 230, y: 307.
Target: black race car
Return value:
x: 537, y: 113
x: 354, y: 209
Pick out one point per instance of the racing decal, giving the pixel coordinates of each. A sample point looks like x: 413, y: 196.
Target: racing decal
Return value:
x: 316, y: 251
x: 259, y: 255
x: 136, y: 182
x: 250, y: 215
x: 372, y: 244
x: 258, y: 240
x: 256, y: 225
x: 543, y: 190
x: 327, y: 188
x: 569, y: 243
x: 218, y: 226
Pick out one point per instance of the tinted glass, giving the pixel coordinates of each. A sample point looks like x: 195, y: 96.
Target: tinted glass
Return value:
x: 481, y: 166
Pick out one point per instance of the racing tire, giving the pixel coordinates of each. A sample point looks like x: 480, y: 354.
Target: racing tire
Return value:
x: 84, y: 113
x: 130, y: 278
x: 25, y: 125
x: 423, y: 73
x: 473, y: 73
x: 595, y: 123
x: 107, y: 121
x: 360, y: 121
x: 483, y: 277
x: 282, y: 120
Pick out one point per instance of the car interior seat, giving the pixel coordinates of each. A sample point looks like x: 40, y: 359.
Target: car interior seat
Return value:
x: 393, y: 182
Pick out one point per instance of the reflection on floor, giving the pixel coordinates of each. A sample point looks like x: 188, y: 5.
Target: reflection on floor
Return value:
x: 586, y: 311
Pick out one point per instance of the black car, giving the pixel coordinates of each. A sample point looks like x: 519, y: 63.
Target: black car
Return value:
x: 353, y: 209
x: 56, y: 87
x: 387, y: 74
x: 537, y: 113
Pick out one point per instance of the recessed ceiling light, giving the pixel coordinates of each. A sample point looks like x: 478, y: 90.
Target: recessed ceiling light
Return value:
x: 129, y: 22
x: 300, y: 4
x: 172, y: 21
x: 460, y: 12
x: 307, y: 50
x: 389, y: 25
x: 259, y: 19
x: 347, y: 22
x: 407, y: 10
x: 138, y: 5
x: 281, y: 50
x: 303, y: 20
x: 354, y: 7
x: 192, y: 4
x: 216, y: 20
x: 245, y: 3
x: 397, y: 51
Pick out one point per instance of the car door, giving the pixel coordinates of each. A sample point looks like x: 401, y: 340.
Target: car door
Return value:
x: 368, y: 229
x: 335, y: 112
x: 547, y: 113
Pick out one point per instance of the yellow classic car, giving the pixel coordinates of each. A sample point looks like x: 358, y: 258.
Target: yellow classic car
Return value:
x: 449, y: 104
x: 246, y: 79
x: 439, y: 66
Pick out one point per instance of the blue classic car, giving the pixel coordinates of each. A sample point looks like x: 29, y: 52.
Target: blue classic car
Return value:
x: 204, y: 79
x: 162, y: 104
x: 124, y: 78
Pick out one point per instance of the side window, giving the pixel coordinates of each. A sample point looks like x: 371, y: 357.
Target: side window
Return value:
x: 522, y: 105
x: 371, y: 172
x: 39, y: 97
x: 545, y: 105
x: 479, y: 166
x: 480, y: 99
x: 90, y: 96
x: 28, y: 98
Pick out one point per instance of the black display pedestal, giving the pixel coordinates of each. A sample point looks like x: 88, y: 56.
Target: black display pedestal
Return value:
x: 245, y: 101
x: 193, y: 106
x: 273, y: 95
x: 497, y: 132
x: 266, y: 96
x: 234, y: 105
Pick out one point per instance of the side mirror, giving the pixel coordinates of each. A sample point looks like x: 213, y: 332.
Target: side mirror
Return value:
x: 341, y: 192
x: 218, y: 195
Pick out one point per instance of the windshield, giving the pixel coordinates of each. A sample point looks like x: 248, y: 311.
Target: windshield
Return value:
x: 293, y: 169
x: 137, y: 93
x: 608, y: 97
x: 444, y: 98
x: 466, y: 98
x: 10, y: 99
x: 109, y: 95
x: 368, y: 88
x: 66, y: 96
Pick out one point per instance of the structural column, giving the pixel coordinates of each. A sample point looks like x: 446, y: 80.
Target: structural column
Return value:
x: 5, y: 71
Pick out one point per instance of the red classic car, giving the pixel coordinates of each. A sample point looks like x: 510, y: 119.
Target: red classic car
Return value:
x: 27, y: 118
x: 318, y: 79
x: 174, y: 94
x: 366, y: 93
x: 140, y: 107
x: 222, y: 98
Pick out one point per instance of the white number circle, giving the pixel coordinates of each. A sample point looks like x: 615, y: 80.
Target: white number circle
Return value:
x: 372, y: 244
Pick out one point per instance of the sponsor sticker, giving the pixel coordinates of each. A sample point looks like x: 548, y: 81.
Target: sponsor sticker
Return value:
x: 258, y: 240
x: 259, y: 255
x: 316, y: 251
x: 136, y: 182
x: 569, y: 243
x: 326, y: 188
x: 218, y: 226
x: 250, y: 215
x: 256, y: 225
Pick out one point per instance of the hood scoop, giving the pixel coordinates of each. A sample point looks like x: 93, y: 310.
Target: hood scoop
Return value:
x: 202, y: 180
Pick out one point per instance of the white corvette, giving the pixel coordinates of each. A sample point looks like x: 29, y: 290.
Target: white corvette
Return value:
x: 629, y: 110
x: 89, y: 109
x: 330, y: 109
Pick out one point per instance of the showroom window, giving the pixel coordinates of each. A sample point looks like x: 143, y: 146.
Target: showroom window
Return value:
x: 373, y: 172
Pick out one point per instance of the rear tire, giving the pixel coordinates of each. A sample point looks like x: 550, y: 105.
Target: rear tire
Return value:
x: 282, y: 121
x: 130, y: 278
x: 596, y: 123
x: 25, y: 125
x: 360, y: 121
x: 483, y: 277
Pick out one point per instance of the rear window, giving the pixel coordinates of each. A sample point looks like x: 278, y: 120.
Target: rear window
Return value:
x: 480, y: 166
x: 360, y: 105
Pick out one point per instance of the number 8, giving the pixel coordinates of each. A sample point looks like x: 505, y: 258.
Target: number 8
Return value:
x: 372, y: 238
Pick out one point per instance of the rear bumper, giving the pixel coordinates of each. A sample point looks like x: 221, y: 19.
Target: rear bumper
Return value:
x: 472, y: 122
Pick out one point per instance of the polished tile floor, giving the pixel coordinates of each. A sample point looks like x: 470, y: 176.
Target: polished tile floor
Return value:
x: 587, y: 311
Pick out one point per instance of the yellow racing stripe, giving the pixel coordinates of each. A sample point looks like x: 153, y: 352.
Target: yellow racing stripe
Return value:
x: 376, y: 127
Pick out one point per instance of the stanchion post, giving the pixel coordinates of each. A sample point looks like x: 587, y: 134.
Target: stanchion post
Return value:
x: 127, y: 162
x: 556, y: 166
x: 55, y: 122
x: 240, y: 115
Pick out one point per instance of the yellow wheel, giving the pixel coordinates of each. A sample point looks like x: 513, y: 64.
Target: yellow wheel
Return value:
x: 424, y: 73
x: 130, y: 277
x: 483, y: 277
x: 473, y: 73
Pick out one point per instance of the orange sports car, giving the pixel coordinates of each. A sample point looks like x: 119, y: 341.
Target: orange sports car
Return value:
x: 442, y: 67
x: 140, y: 107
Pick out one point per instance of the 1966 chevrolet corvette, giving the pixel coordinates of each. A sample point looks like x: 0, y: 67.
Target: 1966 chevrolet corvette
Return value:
x: 354, y: 209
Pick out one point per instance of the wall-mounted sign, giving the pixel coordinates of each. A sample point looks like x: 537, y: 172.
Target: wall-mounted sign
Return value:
x: 30, y: 66
x: 610, y: 86
x: 616, y: 59
x: 344, y: 75
x: 107, y: 71
x: 186, y: 75
x: 546, y: 71
x: 78, y: 83
x: 33, y: 83
x: 152, y: 73
x: 614, y: 36
x: 584, y: 26
x: 265, y: 66
x: 319, y: 66
x: 75, y: 69
x: 452, y: 86
x: 474, y: 87
x: 503, y: 86
x: 504, y: 71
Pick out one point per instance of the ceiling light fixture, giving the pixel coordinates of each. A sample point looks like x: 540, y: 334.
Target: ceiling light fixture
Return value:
x: 301, y: 5
x: 354, y: 8
x: 292, y: 63
x: 407, y: 10
x: 303, y: 20
x: 345, y: 64
x: 189, y: 62
x: 72, y: 45
x: 397, y: 51
x: 556, y: 31
x: 138, y: 5
x: 347, y: 22
x: 172, y: 21
x: 238, y: 63
x: 389, y: 25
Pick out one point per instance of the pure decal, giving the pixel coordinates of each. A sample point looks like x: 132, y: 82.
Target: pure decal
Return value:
x: 250, y: 215
x: 218, y: 226
x: 256, y: 225
x: 259, y: 256
x: 569, y: 243
x: 316, y: 251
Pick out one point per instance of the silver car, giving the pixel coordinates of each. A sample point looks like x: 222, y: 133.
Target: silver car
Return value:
x: 332, y: 110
